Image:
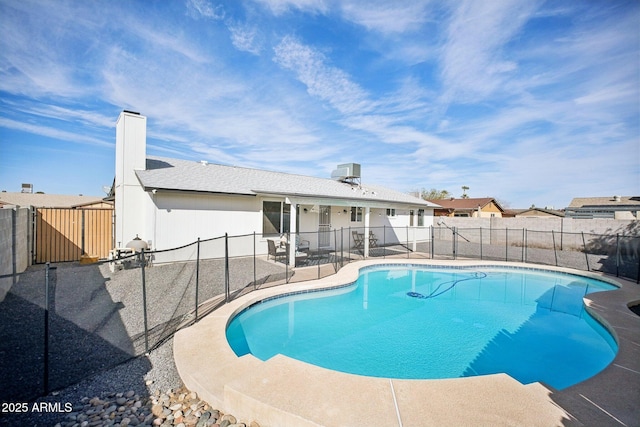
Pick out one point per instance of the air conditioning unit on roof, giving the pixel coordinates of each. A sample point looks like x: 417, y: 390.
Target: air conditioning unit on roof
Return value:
x: 346, y: 171
x: 27, y: 188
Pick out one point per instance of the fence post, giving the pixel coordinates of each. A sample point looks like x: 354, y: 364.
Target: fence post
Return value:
x: 480, y: 243
x: 454, y: 241
x: 526, y: 244
x: 384, y: 241
x: 523, y: 237
x: 14, y: 245
x: 82, y: 233
x: 617, y: 254
x: 45, y: 380
x: 506, y: 243
x: 433, y: 245
x: 226, y: 267
x: 584, y: 246
x: 286, y: 263
x: 254, y: 262
x: 144, y: 302
x: 407, y: 242
x: 197, y: 274
x: 349, y: 239
x: 335, y: 243
x: 341, y: 247
x: 555, y: 254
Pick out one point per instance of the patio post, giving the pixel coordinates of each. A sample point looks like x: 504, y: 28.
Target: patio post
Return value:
x: 367, y: 214
x: 415, y: 239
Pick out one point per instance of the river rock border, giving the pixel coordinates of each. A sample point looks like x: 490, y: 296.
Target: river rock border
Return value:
x: 174, y: 408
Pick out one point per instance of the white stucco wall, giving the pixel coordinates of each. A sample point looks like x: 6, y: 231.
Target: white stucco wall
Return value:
x: 182, y: 218
x: 177, y: 219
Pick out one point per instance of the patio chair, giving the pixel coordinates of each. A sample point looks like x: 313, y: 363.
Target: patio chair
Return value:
x: 301, y: 245
x: 275, y: 251
x: 358, y: 240
x: 373, y: 240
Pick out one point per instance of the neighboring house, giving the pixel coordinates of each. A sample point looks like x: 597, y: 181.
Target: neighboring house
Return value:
x: 485, y: 207
x: 41, y: 200
x: 616, y: 207
x: 532, y: 212
x: 171, y: 202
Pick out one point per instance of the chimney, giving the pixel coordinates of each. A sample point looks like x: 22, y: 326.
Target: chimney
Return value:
x: 131, y: 145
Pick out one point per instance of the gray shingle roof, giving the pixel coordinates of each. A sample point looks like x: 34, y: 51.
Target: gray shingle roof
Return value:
x: 578, y: 202
x: 185, y: 175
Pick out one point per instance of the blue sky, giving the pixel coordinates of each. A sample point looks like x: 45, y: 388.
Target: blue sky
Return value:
x: 529, y: 102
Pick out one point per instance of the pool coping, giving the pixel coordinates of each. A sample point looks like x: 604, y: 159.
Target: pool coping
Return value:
x: 286, y: 392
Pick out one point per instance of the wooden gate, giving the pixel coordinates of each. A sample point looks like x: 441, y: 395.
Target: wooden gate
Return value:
x: 65, y: 234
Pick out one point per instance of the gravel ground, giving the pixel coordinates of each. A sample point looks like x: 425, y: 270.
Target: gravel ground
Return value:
x: 96, y: 329
x: 144, y: 375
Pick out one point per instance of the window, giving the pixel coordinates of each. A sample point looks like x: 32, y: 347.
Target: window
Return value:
x: 275, y: 217
x: 356, y: 214
x: 411, y: 218
x: 391, y: 212
x: 420, y: 217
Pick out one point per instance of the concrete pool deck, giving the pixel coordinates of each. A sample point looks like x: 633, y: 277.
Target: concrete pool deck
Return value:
x: 285, y: 392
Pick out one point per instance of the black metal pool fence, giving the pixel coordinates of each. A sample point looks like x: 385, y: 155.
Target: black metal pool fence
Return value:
x: 63, y: 323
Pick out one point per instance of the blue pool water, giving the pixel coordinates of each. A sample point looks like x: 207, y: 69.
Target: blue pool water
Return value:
x: 423, y: 322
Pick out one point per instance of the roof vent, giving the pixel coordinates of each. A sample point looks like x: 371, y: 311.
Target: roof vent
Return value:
x: 27, y: 188
x: 617, y: 198
x: 204, y: 162
x: 346, y: 172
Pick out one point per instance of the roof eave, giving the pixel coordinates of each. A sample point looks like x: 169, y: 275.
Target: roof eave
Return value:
x: 352, y: 200
x: 151, y: 188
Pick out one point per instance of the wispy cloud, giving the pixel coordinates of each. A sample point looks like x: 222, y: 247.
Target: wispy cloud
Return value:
x: 70, y: 115
x: 245, y: 38
x: 279, y: 7
x: 387, y: 17
x: 52, y: 132
x: 204, y: 9
x: 358, y: 111
x: 328, y: 83
x: 474, y: 63
x: 422, y: 93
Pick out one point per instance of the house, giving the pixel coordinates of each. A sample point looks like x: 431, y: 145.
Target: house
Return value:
x: 170, y: 202
x: 616, y: 207
x: 41, y: 200
x: 485, y: 207
x: 532, y: 212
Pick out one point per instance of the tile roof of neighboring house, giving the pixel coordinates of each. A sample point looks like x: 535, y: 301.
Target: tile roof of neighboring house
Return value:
x: 579, y: 202
x: 184, y: 175
x: 466, y: 204
x: 40, y: 200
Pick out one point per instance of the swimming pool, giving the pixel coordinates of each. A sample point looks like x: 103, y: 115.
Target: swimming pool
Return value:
x: 418, y: 322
